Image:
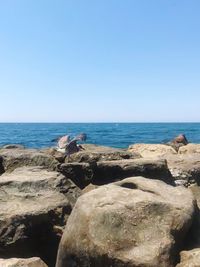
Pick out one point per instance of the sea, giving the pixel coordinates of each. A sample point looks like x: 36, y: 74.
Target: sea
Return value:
x: 118, y: 135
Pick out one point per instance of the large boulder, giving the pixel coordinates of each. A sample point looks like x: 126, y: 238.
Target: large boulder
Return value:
x: 13, y: 158
x: 104, y: 172
x: 15, y: 262
x: 190, y: 258
x: 34, y: 203
x: 152, y: 150
x: 134, y: 222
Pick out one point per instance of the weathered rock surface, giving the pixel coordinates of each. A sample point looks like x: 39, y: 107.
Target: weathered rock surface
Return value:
x: 80, y: 173
x: 134, y: 222
x: 190, y: 149
x: 15, y: 262
x: 104, y: 172
x: 152, y: 150
x: 33, y: 201
x: 190, y: 258
x: 12, y: 146
x: 17, y: 157
x: 100, y: 153
x: 185, y: 167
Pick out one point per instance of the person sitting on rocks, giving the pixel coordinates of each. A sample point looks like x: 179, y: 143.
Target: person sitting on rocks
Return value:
x: 178, y: 141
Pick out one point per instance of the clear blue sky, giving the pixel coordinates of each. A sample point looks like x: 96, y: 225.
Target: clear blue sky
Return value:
x: 99, y: 60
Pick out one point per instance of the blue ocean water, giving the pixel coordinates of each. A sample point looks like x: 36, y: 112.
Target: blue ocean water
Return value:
x: 121, y: 135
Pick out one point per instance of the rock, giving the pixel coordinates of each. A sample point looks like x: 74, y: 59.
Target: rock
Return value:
x: 14, y: 158
x: 190, y: 258
x: 193, y: 239
x: 104, y: 172
x: 190, y: 149
x: 55, y: 153
x: 110, y: 171
x: 95, y: 153
x: 185, y: 167
x: 13, y: 146
x: 89, y: 188
x: 152, y: 150
x: 181, y: 183
x: 134, y: 222
x: 34, y: 201
x: 1, y: 166
x: 15, y: 262
x: 80, y: 173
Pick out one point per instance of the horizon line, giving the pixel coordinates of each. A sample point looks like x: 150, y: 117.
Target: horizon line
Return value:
x: 93, y: 122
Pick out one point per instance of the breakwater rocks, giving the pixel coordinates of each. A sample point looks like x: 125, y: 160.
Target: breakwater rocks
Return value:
x: 104, y: 206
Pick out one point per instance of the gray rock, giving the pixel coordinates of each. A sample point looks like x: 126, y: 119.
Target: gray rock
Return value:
x: 13, y: 146
x: 34, y: 201
x: 152, y: 150
x: 104, y: 172
x: 95, y: 153
x: 15, y: 262
x: 190, y: 149
x: 15, y: 157
x: 134, y: 222
x: 190, y: 258
x: 109, y: 171
x: 185, y: 167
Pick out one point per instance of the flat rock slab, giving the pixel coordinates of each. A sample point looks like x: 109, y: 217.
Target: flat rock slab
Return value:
x: 33, y: 201
x: 120, y: 169
x: 13, y: 158
x: 152, y: 150
x: 190, y: 149
x: 134, y: 222
x: 15, y: 262
x: 104, y: 172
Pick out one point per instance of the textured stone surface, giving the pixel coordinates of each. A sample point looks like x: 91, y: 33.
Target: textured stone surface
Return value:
x: 185, y: 167
x: 190, y: 258
x: 152, y: 150
x: 190, y: 149
x: 104, y: 172
x: 100, y: 153
x: 134, y: 222
x: 33, y: 201
x: 110, y: 171
x: 17, y: 157
x: 15, y: 262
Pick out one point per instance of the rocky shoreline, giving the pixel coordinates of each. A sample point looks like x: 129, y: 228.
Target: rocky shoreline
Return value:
x: 135, y: 207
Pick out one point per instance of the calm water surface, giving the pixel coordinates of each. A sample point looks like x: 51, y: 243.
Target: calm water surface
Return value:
x: 38, y: 135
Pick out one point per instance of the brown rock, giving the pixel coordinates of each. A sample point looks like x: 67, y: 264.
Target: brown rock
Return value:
x: 96, y: 153
x: 152, y: 150
x: 33, y: 201
x: 185, y: 167
x: 104, y: 172
x: 15, y: 262
x: 190, y: 258
x: 17, y: 157
x: 190, y: 149
x: 134, y: 222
